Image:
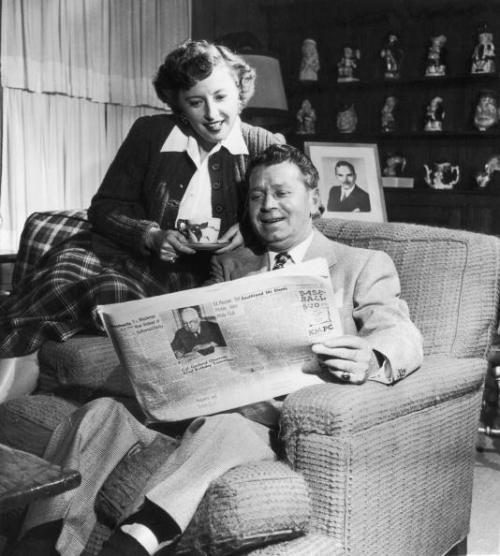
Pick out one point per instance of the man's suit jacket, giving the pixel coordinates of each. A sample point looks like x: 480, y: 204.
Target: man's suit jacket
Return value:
x: 366, y: 287
x: 358, y: 200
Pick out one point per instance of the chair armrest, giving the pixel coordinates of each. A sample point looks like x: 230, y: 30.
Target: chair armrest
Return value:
x: 397, y: 454
x: 338, y: 407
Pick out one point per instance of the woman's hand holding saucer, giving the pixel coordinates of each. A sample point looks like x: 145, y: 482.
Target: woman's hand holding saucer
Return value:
x: 168, y: 244
x: 233, y: 235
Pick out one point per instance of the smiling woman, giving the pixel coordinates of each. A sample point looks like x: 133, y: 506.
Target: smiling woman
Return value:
x: 211, y: 106
x: 169, y: 167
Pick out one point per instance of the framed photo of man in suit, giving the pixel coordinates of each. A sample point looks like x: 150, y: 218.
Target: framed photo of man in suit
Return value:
x: 350, y: 181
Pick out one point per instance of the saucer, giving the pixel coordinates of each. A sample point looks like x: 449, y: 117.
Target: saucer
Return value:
x: 207, y: 246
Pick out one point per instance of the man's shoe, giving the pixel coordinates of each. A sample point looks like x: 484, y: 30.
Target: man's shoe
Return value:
x: 40, y: 541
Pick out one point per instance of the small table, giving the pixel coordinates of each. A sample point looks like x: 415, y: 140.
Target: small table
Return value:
x: 25, y: 477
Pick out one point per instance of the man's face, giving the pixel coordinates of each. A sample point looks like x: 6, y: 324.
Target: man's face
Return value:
x: 345, y: 176
x: 280, y: 205
x: 191, y: 320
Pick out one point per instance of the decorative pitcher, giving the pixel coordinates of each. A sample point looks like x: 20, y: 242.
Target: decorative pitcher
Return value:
x: 443, y: 175
x: 486, y: 113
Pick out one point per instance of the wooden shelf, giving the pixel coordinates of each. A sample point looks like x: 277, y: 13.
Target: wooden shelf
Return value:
x: 360, y: 136
x: 329, y: 83
x: 365, y: 26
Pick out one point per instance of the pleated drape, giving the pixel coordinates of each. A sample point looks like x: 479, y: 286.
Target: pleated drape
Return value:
x: 75, y: 75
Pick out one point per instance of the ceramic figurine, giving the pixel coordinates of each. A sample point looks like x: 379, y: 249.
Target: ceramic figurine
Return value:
x: 309, y: 65
x: 434, y: 115
x: 392, y: 56
x: 395, y: 165
x: 436, y: 66
x: 442, y: 175
x: 306, y: 119
x: 483, y: 56
x: 348, y: 65
x: 486, y: 113
x: 347, y: 119
x: 489, y: 177
x: 387, y: 116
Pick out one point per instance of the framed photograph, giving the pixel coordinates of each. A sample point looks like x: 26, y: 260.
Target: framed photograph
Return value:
x: 350, y: 182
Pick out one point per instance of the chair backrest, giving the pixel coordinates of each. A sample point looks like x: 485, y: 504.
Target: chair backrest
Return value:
x: 449, y: 278
x: 43, y: 230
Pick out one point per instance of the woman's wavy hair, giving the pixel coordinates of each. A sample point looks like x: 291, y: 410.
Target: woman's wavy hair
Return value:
x: 194, y: 61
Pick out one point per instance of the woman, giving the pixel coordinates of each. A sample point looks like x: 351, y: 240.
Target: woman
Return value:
x: 190, y: 163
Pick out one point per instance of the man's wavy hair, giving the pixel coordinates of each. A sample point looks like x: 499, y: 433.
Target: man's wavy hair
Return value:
x: 194, y: 61
x: 276, y: 154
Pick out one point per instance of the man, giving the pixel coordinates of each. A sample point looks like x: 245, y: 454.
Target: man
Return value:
x: 348, y: 196
x: 197, y: 335
x: 379, y: 343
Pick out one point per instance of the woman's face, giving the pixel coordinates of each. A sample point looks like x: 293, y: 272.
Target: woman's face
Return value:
x: 212, y: 106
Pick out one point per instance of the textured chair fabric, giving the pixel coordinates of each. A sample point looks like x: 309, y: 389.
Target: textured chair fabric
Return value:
x: 123, y: 490
x: 389, y: 468
x: 26, y: 423
x: 248, y: 506
x: 84, y: 361
x: 311, y: 544
x: 447, y: 279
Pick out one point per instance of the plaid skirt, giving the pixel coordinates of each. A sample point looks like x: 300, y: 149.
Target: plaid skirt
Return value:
x: 58, y: 298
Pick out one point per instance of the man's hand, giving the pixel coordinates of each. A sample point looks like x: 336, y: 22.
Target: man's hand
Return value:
x: 349, y: 358
x: 233, y: 235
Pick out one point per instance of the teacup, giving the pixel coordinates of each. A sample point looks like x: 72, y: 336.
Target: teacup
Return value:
x: 200, y: 229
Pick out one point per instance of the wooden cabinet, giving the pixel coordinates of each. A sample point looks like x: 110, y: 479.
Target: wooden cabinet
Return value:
x: 474, y: 211
x: 459, y: 143
x: 365, y: 25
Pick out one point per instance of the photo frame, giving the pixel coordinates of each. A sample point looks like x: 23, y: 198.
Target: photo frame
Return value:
x: 355, y: 166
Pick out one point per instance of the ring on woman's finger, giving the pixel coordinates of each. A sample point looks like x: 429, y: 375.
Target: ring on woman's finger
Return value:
x: 346, y: 377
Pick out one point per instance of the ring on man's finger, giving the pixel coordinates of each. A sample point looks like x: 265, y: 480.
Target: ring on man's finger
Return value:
x: 346, y: 377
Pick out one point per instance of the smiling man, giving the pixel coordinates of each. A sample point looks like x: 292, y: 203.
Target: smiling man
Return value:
x: 379, y: 342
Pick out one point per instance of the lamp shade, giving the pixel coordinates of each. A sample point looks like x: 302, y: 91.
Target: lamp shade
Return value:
x: 268, y: 107
x: 269, y: 88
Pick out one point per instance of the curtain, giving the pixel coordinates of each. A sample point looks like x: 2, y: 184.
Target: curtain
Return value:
x: 75, y: 75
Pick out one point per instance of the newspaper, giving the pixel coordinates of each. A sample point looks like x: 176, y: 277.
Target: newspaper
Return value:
x: 261, y: 326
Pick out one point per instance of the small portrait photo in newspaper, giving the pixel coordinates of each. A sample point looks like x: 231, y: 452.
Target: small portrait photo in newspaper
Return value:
x: 197, y: 333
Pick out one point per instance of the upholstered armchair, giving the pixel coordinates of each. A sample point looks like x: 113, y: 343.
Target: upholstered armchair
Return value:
x: 371, y: 469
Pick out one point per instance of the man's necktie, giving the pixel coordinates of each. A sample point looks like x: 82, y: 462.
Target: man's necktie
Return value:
x: 280, y: 260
